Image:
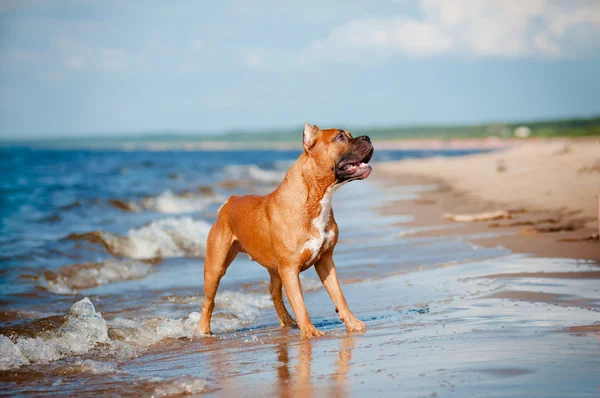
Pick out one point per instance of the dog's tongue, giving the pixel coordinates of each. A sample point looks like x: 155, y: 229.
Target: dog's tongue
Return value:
x: 365, y: 170
x: 354, y: 166
x: 361, y: 169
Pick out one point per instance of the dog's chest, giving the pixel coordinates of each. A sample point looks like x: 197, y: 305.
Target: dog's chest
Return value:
x: 323, y: 239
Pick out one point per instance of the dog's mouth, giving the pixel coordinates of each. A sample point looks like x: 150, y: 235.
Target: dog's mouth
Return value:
x: 355, y: 167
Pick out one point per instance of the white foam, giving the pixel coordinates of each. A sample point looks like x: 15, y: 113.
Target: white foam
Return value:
x: 177, y: 386
x: 10, y: 354
x: 265, y: 176
x: 255, y: 173
x: 171, y: 203
x: 97, y: 367
x: 83, y: 329
x: 232, y: 311
x: 80, y: 276
x: 170, y: 237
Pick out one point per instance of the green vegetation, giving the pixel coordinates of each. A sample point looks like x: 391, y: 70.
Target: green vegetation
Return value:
x: 555, y: 128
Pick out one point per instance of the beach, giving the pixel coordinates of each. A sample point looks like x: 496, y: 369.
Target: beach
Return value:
x: 549, y: 191
x: 506, y: 306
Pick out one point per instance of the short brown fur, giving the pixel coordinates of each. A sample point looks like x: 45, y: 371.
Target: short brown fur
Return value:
x: 275, y: 229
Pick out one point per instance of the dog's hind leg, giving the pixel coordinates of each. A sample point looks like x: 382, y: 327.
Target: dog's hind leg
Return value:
x: 275, y: 287
x: 221, y: 249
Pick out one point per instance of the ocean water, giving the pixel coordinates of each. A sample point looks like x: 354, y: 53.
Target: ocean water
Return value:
x: 117, y: 211
x: 101, y: 269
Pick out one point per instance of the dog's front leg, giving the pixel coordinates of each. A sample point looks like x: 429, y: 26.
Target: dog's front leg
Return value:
x: 293, y: 290
x: 326, y: 269
x: 285, y: 319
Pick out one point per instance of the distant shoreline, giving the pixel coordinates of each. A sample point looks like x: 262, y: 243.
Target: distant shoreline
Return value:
x: 395, y: 144
x: 288, y: 136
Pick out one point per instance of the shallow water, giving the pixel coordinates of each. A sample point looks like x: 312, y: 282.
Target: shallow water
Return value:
x: 127, y: 230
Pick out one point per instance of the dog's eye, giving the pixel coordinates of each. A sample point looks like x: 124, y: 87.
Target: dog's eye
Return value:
x: 341, y: 137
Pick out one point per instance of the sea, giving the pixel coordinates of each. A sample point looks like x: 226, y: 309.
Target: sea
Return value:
x: 101, y: 274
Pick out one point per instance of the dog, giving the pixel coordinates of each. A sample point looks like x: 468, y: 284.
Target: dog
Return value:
x: 291, y: 229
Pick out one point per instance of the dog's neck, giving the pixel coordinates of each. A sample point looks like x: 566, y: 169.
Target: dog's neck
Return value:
x: 305, y: 185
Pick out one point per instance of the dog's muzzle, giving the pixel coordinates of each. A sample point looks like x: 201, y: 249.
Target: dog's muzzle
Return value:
x: 354, y: 164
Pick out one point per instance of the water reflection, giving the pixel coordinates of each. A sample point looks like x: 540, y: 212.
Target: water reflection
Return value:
x: 340, y: 378
x: 295, y: 380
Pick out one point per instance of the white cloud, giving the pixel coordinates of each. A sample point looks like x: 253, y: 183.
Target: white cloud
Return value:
x: 389, y: 34
x: 499, y: 28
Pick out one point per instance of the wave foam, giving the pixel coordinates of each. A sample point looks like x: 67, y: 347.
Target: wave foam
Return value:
x: 83, y: 329
x: 232, y: 311
x: 86, y: 366
x: 171, y: 203
x: 256, y: 174
x: 72, y: 278
x: 170, y: 237
x: 176, y: 387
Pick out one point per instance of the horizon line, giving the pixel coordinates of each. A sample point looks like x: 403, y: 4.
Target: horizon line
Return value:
x: 195, y: 133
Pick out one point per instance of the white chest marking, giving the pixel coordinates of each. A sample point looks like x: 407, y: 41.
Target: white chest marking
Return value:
x: 320, y: 223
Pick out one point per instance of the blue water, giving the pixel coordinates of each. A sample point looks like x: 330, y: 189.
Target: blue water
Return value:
x: 431, y: 326
x: 45, y: 195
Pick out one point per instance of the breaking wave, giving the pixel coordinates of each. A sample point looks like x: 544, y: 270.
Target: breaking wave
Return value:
x: 186, y: 202
x: 72, y: 278
x: 256, y: 174
x: 232, y: 311
x: 170, y: 237
x: 84, y: 331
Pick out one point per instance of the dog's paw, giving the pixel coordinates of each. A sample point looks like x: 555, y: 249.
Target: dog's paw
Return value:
x: 287, y: 323
x: 203, y: 331
x: 355, y: 325
x: 310, y: 332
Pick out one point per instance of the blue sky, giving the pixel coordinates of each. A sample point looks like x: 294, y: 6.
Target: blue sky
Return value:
x: 123, y: 67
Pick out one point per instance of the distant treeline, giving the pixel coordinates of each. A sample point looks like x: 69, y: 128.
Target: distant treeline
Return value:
x: 558, y: 128
x: 554, y: 128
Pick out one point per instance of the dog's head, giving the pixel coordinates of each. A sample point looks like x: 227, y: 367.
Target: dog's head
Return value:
x: 336, y: 149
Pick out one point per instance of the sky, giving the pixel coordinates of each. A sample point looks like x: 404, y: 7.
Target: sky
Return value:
x: 106, y: 67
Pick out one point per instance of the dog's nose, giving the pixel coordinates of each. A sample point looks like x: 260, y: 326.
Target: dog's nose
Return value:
x: 365, y: 137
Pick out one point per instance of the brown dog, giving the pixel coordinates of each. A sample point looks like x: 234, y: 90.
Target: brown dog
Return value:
x: 292, y: 228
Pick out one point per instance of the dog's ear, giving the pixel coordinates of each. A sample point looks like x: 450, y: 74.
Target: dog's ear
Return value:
x: 308, y: 136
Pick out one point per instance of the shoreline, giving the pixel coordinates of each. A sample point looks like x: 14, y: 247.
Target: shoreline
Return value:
x: 560, y: 222
x: 491, y: 143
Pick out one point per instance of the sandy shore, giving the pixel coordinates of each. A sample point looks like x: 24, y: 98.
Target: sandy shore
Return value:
x: 541, y: 196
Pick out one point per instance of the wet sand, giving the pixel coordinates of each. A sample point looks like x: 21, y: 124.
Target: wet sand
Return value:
x: 452, y: 309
